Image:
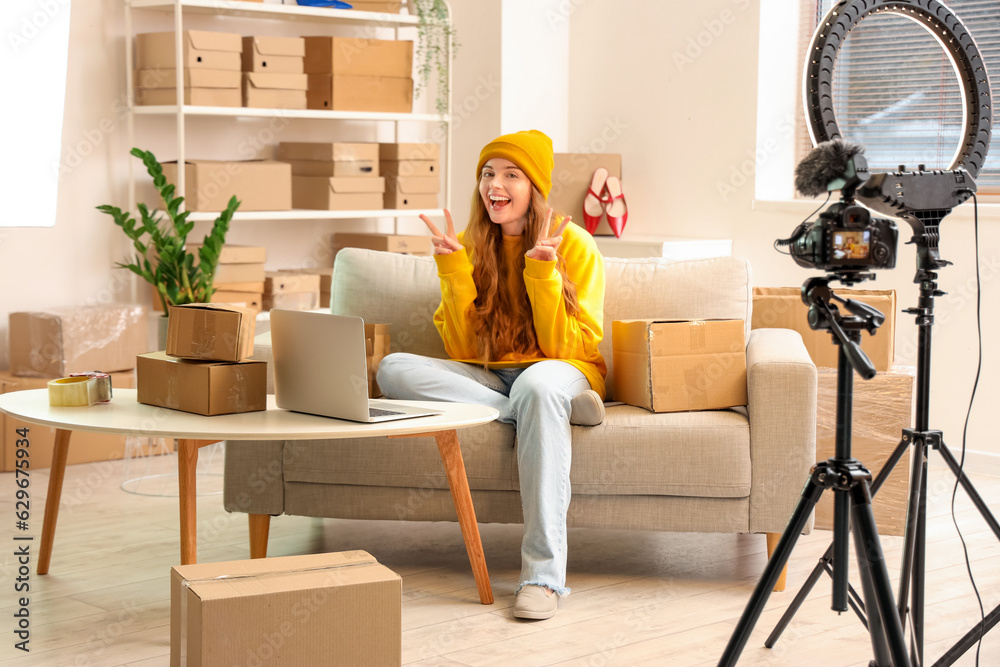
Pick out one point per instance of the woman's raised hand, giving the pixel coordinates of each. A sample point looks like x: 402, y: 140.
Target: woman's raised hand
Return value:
x: 444, y: 244
x: 547, y: 244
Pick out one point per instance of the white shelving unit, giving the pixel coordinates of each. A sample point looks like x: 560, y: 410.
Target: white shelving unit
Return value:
x: 251, y: 10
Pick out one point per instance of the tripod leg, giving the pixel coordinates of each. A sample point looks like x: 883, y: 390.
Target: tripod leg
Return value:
x: 800, y: 597
x: 755, y: 606
x: 910, y: 531
x: 970, y: 490
x: 888, y: 641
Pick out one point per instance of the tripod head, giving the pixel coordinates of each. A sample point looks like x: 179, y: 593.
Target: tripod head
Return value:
x: 846, y: 330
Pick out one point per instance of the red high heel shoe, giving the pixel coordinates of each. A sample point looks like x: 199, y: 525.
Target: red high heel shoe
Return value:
x: 615, y: 207
x: 593, y: 201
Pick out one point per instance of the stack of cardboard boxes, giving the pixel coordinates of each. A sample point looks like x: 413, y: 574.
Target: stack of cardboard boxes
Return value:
x: 206, y: 367
x: 354, y: 74
x: 239, y: 277
x: 412, y: 175
x: 334, y: 176
x: 56, y: 343
x: 273, y: 72
x: 211, y: 72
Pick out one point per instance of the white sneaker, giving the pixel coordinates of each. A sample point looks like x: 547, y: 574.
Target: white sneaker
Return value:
x: 587, y: 409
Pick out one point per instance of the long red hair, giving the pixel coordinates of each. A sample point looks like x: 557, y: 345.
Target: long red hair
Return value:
x: 501, y: 316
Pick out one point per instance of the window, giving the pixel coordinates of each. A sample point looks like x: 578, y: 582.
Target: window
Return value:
x: 895, y: 90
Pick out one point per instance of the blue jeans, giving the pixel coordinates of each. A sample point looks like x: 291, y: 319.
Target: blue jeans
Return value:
x: 536, y: 400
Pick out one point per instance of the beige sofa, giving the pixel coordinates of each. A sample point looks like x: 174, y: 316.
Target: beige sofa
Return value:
x: 729, y: 471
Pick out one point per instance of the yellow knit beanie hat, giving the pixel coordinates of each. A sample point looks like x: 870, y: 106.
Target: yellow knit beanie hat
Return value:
x: 530, y: 150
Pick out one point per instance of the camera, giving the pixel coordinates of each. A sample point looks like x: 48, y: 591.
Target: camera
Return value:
x: 844, y: 238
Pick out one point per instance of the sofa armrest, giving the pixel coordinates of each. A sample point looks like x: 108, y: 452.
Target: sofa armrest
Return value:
x: 781, y: 388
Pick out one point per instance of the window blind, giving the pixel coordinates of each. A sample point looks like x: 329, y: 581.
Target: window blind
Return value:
x: 896, y: 92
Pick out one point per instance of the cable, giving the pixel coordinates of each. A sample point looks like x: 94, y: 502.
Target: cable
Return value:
x: 801, y: 228
x: 965, y: 431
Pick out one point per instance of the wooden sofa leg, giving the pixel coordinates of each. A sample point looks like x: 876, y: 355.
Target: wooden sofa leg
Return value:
x: 260, y: 524
x: 772, y: 544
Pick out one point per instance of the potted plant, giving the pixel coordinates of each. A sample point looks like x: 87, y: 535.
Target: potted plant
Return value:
x: 436, y: 37
x: 161, y: 257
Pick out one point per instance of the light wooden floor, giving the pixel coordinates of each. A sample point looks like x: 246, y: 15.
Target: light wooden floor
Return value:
x: 638, y: 598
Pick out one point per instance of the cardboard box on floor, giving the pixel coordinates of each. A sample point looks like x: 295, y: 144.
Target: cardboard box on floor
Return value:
x: 260, y: 185
x: 883, y: 407
x: 572, y: 174
x: 84, y: 447
x: 337, y: 609
x: 359, y: 56
x: 782, y: 308
x: 679, y: 365
x: 55, y: 342
x: 200, y: 49
x: 201, y: 387
x: 211, y: 331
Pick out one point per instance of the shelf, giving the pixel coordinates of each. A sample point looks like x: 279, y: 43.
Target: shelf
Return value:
x: 300, y: 214
x: 277, y: 12
x: 247, y: 112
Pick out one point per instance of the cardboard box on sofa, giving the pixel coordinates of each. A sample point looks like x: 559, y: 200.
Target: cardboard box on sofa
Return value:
x: 359, y: 56
x: 346, y: 92
x: 883, y: 407
x: 55, y: 342
x: 84, y: 447
x: 326, y: 609
x: 679, y: 365
x: 211, y: 331
x: 281, y: 55
x: 260, y: 185
x: 268, y: 90
x: 202, y: 387
x: 205, y: 87
x: 572, y: 174
x: 401, y: 243
x: 782, y: 308
x: 336, y: 151
x: 339, y: 193
x: 200, y: 49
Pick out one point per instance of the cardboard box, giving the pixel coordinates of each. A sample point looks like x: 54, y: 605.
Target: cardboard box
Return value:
x: 200, y: 49
x: 325, y: 282
x: 254, y: 300
x: 376, y: 348
x: 394, y: 199
x: 377, y: 6
x: 409, y: 151
x: 291, y: 151
x: 292, y: 301
x: 206, y: 87
x: 235, y: 254
x: 283, y: 55
x: 572, y: 174
x: 256, y: 287
x: 201, y: 387
x: 337, y: 194
x: 782, y: 308
x: 267, y: 90
x: 211, y: 331
x: 203, y: 97
x: 407, y: 245
x: 324, y: 609
x: 239, y: 273
x: 84, y: 446
x: 260, y: 185
x: 408, y: 192
x: 678, y: 365
x: 346, y: 92
x: 358, y: 56
x: 883, y: 407
x: 333, y: 168
x: 285, y: 282
x: 55, y: 342
x: 405, y: 168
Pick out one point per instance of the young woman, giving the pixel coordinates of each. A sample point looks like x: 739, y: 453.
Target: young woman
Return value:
x: 521, y: 314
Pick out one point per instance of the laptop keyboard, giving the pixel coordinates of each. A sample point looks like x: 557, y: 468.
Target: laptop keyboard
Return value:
x: 378, y: 412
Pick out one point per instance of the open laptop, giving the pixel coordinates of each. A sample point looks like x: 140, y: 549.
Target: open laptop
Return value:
x: 320, y: 367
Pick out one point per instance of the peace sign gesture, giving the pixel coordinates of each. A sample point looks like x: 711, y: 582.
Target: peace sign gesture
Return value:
x: 546, y: 246
x: 444, y: 244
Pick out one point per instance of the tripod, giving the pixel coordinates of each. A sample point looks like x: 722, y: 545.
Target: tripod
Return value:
x: 914, y: 540
x: 849, y: 480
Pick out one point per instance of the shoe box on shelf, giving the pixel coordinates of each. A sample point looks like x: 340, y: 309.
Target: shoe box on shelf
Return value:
x: 292, y: 291
x: 334, y: 176
x: 211, y: 71
x: 355, y: 74
x: 274, y: 72
x: 260, y: 185
x: 401, y: 243
x: 412, y: 175
x: 239, y: 276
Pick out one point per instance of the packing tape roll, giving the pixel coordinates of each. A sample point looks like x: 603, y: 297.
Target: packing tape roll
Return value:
x: 103, y: 381
x: 80, y: 390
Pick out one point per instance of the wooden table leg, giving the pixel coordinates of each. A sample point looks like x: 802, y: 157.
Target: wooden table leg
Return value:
x: 187, y: 467
x: 260, y: 525
x: 57, y: 471
x: 454, y: 468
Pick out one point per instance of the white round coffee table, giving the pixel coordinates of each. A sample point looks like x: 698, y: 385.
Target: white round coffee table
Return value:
x: 123, y: 415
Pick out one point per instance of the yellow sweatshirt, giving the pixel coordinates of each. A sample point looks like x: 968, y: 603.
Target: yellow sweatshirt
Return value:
x: 570, y: 339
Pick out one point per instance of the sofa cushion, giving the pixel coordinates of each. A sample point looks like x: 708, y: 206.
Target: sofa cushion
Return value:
x: 403, y: 291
